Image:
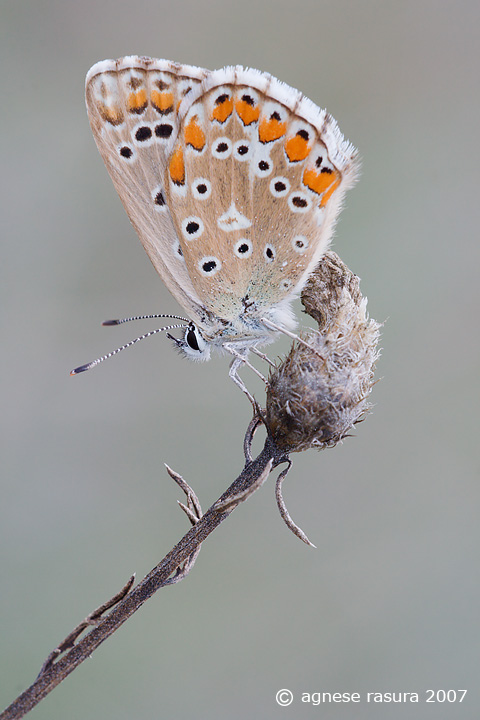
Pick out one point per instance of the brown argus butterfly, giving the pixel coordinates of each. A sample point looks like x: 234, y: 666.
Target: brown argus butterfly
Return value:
x: 233, y: 182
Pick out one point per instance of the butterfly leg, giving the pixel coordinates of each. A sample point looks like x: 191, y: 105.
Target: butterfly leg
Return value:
x: 262, y: 356
x: 274, y: 326
x: 233, y: 374
x: 239, y: 359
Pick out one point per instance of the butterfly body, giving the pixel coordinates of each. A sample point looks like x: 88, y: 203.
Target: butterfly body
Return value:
x: 233, y: 182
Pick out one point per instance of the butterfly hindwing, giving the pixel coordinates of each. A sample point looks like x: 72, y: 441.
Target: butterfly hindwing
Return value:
x: 255, y: 181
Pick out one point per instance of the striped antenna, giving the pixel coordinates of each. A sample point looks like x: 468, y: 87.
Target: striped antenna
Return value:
x: 90, y: 365
x: 143, y: 317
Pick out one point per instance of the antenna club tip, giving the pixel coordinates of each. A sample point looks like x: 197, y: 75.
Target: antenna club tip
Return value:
x: 110, y: 322
x: 82, y: 368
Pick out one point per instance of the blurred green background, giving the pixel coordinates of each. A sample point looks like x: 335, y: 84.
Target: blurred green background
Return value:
x: 389, y: 601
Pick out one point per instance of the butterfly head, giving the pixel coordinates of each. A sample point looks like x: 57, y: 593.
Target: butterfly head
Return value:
x: 193, y: 345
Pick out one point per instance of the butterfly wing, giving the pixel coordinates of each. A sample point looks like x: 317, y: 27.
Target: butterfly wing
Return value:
x: 133, y: 106
x: 255, y: 182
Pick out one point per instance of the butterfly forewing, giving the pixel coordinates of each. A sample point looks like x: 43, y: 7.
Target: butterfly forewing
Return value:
x: 133, y: 110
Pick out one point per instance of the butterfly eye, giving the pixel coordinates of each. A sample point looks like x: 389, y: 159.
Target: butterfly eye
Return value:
x: 194, y: 345
x: 191, y: 340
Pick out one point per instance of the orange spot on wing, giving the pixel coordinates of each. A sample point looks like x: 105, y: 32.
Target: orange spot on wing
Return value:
x: 327, y: 194
x: 177, y: 166
x: 162, y: 101
x: 246, y: 112
x: 321, y: 183
x: 111, y: 114
x: 137, y: 101
x: 223, y: 110
x: 194, y: 134
x: 297, y: 148
x: 271, y: 129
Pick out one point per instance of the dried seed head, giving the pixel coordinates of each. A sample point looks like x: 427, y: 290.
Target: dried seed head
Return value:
x: 320, y: 390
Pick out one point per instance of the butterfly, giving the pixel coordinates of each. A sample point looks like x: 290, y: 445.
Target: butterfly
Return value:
x: 233, y: 181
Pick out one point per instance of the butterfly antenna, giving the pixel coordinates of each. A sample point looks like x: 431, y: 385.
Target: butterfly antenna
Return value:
x: 90, y: 365
x: 143, y: 317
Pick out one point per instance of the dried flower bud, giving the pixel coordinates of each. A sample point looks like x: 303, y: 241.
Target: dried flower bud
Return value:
x: 320, y: 390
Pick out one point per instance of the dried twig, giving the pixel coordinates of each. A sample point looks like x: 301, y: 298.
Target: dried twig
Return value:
x: 173, y: 568
x: 91, y: 620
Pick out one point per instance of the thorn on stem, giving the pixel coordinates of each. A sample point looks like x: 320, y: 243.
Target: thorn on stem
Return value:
x: 283, y: 509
